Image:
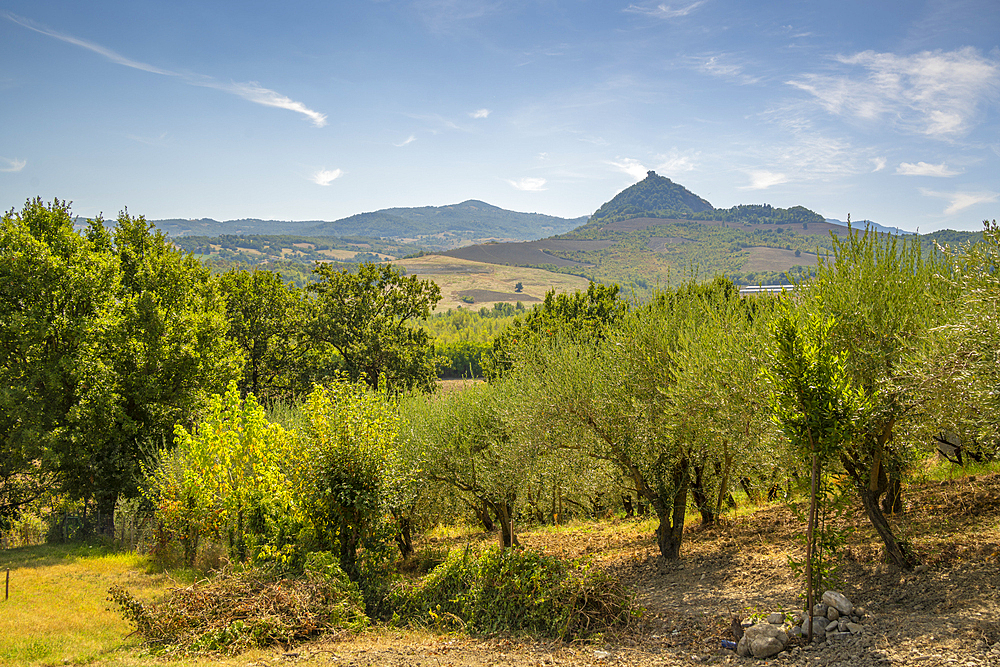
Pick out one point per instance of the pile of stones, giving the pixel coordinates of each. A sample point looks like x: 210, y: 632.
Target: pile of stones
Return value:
x: 834, y: 618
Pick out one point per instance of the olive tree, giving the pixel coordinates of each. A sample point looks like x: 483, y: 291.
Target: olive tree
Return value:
x: 883, y: 294
x: 470, y: 440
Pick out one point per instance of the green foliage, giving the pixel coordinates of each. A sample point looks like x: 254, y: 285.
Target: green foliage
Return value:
x: 266, y: 321
x: 955, y: 376
x: 813, y: 400
x: 581, y: 317
x: 348, y: 478
x: 227, y: 477
x: 108, y: 340
x: 516, y: 591
x: 884, y: 295
x: 469, y: 440
x: 370, y: 321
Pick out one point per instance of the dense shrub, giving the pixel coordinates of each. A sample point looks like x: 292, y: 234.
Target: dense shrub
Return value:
x: 515, y: 591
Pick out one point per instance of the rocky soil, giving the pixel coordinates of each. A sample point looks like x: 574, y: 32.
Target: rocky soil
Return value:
x: 945, y: 614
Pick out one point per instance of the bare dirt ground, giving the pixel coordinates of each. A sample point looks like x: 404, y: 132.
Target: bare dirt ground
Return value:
x: 945, y: 615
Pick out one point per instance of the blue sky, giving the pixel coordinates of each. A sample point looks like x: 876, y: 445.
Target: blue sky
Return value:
x: 318, y: 110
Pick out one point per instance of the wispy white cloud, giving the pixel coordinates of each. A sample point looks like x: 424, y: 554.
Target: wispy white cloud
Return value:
x: 90, y: 46
x: 961, y: 200
x: 406, y: 142
x: 257, y: 94
x: 454, y: 16
x: 935, y: 93
x: 761, y: 179
x: 632, y: 167
x: 878, y: 163
x: 480, y: 113
x: 675, y: 163
x: 251, y: 91
x: 8, y: 164
x: 529, y: 184
x: 664, y: 11
x: 925, y: 169
x: 721, y: 66
x: 326, y: 176
x: 149, y: 141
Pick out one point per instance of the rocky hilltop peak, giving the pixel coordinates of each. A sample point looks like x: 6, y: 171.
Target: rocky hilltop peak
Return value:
x: 652, y: 195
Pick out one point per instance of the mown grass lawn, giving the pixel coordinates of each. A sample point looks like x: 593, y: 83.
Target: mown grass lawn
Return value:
x: 58, y: 611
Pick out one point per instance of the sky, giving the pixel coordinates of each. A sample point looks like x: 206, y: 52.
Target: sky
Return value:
x: 878, y: 109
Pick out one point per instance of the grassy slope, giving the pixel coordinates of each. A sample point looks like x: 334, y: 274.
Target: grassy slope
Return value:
x: 456, y: 277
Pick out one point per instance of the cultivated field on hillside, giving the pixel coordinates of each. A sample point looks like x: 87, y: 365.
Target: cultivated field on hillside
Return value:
x: 775, y: 259
x: 535, y: 253
x: 487, y: 284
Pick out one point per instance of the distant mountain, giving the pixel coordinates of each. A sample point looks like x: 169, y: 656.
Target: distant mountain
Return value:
x: 860, y: 224
x: 433, y: 227
x: 245, y: 227
x: 659, y: 197
x: 654, y: 196
x: 472, y: 218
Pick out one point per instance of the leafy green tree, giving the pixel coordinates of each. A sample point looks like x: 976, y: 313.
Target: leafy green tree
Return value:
x: 265, y: 320
x: 56, y: 311
x: 168, y: 354
x: 107, y: 341
x: 226, y: 476
x: 469, y: 440
x: 882, y: 292
x: 955, y: 376
x: 370, y: 319
x: 720, y: 393
x: 815, y: 406
x: 348, y: 478
x: 580, y: 316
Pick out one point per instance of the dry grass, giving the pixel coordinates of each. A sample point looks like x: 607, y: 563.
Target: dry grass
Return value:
x: 775, y: 259
x: 457, y: 276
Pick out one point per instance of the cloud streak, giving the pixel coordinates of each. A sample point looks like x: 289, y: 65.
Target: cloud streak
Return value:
x: 480, y: 113
x: 762, y: 180
x: 925, y: 169
x: 630, y: 166
x: 251, y: 91
x: 961, y: 200
x: 664, y: 11
x: 529, y: 184
x: 406, y: 142
x: 11, y: 165
x: 934, y: 93
x: 721, y: 67
x: 326, y: 176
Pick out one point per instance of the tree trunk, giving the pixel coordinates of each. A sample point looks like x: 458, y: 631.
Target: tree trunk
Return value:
x: 700, y: 497
x: 892, y: 501
x: 404, y: 536
x: 897, y: 552
x: 671, y: 512
x: 505, y: 518
x: 482, y: 512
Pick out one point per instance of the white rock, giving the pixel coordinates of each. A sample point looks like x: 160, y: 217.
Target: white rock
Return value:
x: 777, y: 618
x: 766, y: 640
x: 835, y: 599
